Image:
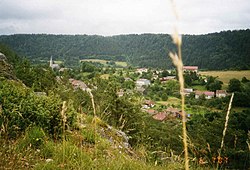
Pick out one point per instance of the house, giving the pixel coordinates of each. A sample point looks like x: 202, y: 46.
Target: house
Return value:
x: 79, y: 84
x: 148, y: 104
x: 142, y: 82
x: 164, y: 79
x: 169, y: 113
x: 172, y: 112
x: 207, y: 94
x: 140, y: 89
x: 221, y: 93
x: 160, y: 116
x: 151, y: 111
x: 141, y: 70
x: 175, y: 113
x: 187, y: 91
x: 52, y: 65
x: 190, y: 68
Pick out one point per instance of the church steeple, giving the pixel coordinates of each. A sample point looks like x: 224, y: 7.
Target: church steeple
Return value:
x: 51, y: 62
x: 52, y: 65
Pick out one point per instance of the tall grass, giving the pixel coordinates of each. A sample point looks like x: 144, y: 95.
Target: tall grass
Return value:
x: 225, y: 127
x: 95, y: 124
x: 64, y: 119
x: 177, y: 61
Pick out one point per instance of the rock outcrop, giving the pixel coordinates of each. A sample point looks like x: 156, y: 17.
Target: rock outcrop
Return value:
x: 6, y: 69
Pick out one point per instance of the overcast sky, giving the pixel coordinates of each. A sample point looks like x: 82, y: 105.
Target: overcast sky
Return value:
x: 112, y: 17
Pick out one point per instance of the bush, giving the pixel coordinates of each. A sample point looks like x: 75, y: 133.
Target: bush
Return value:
x: 22, y: 108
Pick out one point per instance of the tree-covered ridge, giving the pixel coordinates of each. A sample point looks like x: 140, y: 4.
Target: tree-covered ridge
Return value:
x: 224, y: 50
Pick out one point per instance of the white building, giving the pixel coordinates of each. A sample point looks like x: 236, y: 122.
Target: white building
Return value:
x: 52, y: 65
x: 221, y: 93
x: 207, y: 94
x: 142, y: 82
x: 187, y: 91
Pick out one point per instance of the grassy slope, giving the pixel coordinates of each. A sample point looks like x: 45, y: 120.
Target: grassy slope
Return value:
x: 35, y: 150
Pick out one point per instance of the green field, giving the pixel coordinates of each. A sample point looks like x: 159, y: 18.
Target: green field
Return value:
x: 58, y: 62
x: 199, y: 87
x: 225, y: 76
x: 104, y: 62
x: 170, y: 101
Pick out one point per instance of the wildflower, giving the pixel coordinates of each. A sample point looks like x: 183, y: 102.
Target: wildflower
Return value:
x: 226, y: 160
x: 201, y: 161
x: 220, y: 159
x: 214, y: 159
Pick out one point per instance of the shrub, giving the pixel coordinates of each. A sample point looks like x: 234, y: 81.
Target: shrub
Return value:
x: 22, y: 108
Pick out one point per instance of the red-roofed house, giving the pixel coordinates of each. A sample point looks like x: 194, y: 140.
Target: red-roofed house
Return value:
x: 160, y: 116
x: 221, y: 93
x: 151, y: 111
x: 190, y: 68
x: 164, y: 79
x: 208, y: 94
x: 78, y: 84
x: 173, y: 112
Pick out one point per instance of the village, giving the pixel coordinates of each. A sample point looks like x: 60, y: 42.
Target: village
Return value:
x: 155, y: 87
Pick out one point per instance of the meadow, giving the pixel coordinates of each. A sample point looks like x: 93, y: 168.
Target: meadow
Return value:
x: 225, y: 76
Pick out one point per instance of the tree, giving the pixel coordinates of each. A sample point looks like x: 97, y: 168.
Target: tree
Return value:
x: 234, y: 85
x: 216, y: 85
x: 128, y: 84
x: 164, y: 97
x: 164, y: 73
x: 244, y: 80
x: 188, y: 79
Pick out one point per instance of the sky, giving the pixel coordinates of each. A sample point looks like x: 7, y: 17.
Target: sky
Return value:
x: 113, y: 17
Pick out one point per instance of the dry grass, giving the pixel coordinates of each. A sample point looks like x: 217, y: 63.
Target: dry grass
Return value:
x: 177, y: 61
x: 225, y: 127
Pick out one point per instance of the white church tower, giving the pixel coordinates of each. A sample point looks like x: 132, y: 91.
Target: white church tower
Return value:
x: 52, y: 65
x: 51, y: 62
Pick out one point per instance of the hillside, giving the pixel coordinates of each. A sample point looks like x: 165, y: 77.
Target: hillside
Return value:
x: 50, y: 120
x: 216, y: 51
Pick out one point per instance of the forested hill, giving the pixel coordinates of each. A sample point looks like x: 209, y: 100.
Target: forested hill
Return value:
x: 224, y: 50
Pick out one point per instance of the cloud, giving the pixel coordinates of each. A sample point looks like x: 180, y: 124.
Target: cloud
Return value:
x: 109, y: 17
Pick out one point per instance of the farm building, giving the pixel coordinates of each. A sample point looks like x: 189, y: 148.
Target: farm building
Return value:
x: 221, y: 93
x: 207, y: 94
x: 190, y: 68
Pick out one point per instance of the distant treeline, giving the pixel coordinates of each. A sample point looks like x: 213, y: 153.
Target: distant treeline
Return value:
x: 215, y: 51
